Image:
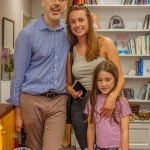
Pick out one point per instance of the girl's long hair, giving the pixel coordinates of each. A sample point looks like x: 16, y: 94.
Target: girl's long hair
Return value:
x: 111, y: 68
x: 94, y: 42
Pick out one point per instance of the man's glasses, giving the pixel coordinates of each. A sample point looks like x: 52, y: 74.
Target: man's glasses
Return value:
x: 60, y: 1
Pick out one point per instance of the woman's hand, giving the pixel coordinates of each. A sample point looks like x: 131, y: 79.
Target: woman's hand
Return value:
x: 108, y: 106
x: 75, y: 94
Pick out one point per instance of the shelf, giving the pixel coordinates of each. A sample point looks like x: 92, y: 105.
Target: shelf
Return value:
x: 5, y: 81
x: 129, y: 55
x: 136, y: 77
x: 123, y: 30
x: 118, y: 6
x: 140, y: 121
x: 136, y: 100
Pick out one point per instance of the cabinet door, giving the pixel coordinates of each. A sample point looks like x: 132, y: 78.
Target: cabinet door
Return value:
x: 140, y: 136
x: 8, y: 134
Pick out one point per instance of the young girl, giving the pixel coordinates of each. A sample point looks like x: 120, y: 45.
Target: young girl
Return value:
x: 113, y: 132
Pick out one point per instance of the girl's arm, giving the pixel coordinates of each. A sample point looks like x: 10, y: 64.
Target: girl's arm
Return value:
x: 90, y: 134
x: 125, y: 133
x: 109, y: 51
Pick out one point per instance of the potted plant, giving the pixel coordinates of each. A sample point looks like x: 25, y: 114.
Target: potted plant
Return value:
x: 7, y: 63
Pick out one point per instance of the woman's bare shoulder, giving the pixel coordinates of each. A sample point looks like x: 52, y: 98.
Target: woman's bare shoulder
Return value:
x: 107, y: 40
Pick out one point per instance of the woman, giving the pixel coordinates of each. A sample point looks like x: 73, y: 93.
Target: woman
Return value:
x: 88, y: 51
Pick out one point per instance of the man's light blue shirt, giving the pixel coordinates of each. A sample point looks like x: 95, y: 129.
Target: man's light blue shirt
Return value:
x: 40, y: 60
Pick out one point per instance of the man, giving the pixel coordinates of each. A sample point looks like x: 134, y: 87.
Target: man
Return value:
x: 39, y: 79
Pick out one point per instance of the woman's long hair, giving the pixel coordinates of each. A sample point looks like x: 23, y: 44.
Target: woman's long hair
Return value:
x: 93, y: 41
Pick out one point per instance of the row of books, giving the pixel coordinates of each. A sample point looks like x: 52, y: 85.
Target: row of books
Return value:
x: 145, y: 92
x: 135, y: 2
x: 81, y: 2
x: 146, y: 24
x: 139, y: 45
x: 143, y: 67
x: 123, y: 2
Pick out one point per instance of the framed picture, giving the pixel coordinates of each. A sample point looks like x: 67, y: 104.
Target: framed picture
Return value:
x: 25, y: 19
x: 7, y: 32
x: 128, y: 93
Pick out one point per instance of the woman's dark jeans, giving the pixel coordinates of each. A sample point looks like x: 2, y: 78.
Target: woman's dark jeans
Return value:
x: 79, y: 120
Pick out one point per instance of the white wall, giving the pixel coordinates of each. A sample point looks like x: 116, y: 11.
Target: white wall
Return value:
x: 0, y: 25
x: 36, y: 9
x: 12, y: 9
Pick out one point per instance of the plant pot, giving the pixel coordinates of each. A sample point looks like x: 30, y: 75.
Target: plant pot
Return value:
x: 5, y: 76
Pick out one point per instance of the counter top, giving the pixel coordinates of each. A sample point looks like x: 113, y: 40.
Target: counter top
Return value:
x: 5, y: 109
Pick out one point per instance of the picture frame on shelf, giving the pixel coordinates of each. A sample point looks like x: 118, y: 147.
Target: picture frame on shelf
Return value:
x: 128, y: 93
x: 8, y: 26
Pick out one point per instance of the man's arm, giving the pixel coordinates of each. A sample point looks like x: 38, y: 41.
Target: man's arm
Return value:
x: 22, y: 58
x: 18, y: 119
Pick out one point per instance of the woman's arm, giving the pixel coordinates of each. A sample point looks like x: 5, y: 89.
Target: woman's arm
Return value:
x: 90, y: 134
x: 69, y: 80
x: 109, y: 51
x: 125, y: 133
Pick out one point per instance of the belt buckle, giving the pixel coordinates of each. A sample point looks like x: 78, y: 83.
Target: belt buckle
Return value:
x: 50, y: 95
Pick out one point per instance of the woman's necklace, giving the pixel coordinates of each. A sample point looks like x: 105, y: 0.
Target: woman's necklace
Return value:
x: 81, y: 47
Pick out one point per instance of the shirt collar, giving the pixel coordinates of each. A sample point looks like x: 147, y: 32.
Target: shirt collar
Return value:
x: 43, y: 25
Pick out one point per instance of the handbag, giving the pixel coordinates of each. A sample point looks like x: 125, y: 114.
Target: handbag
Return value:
x: 70, y: 98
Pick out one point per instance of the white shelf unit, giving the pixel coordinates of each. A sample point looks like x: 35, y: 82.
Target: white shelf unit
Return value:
x: 131, y: 14
x: 4, y: 91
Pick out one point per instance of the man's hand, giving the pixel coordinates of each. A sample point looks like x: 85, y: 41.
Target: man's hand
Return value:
x: 18, y: 120
x: 108, y: 106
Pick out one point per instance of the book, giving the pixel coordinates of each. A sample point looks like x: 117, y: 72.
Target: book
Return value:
x: 122, y: 40
x: 148, y: 43
x: 133, y: 2
x: 77, y: 86
x: 146, y: 67
x: 122, y: 2
x: 147, y: 92
x: 146, y: 22
x: 132, y: 42
x: 143, y: 92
